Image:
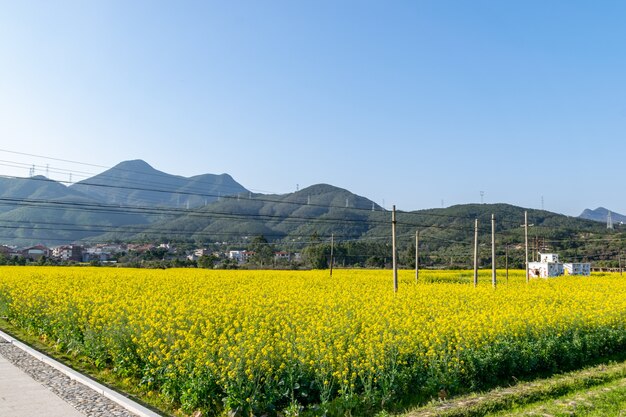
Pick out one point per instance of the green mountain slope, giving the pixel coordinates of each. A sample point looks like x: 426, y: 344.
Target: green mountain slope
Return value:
x: 137, y: 183
x: 314, y: 214
x: 133, y: 201
x: 320, y: 209
x: 39, y: 210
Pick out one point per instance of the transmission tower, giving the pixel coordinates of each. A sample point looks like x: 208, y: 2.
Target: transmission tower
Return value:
x: 609, y: 221
x: 482, y: 196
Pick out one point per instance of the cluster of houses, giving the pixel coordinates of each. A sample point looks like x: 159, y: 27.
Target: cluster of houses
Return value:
x: 549, y: 266
x: 108, y: 252
x: 77, y: 253
x: 243, y: 256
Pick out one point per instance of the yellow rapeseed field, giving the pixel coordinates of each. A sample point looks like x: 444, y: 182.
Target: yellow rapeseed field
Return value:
x: 269, y: 341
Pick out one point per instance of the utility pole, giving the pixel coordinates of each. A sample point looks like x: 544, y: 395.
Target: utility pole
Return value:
x: 332, y: 244
x: 493, y: 250
x: 417, y: 262
x: 475, y: 252
x: 393, y: 248
x: 526, y: 243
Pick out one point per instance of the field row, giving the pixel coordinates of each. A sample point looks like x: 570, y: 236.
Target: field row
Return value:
x: 269, y: 341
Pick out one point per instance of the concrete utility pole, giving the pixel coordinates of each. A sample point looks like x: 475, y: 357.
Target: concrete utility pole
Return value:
x: 393, y: 248
x: 526, y: 244
x: 475, y: 252
x: 493, y: 250
x: 417, y: 262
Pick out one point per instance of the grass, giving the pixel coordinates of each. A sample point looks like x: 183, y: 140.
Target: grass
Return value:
x: 607, y: 400
x: 594, y: 391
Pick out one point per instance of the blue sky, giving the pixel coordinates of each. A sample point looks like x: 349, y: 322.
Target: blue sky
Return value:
x: 408, y: 102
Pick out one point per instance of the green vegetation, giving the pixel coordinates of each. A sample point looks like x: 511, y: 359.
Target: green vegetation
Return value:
x: 595, y: 391
x: 295, y: 222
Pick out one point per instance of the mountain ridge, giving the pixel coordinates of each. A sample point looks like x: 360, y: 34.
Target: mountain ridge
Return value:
x: 135, y: 202
x: 600, y: 214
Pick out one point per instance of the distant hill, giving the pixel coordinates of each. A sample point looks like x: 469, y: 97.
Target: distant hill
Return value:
x: 601, y: 214
x: 135, y: 202
x: 137, y: 183
x: 38, y: 187
x: 319, y: 209
x: 39, y: 210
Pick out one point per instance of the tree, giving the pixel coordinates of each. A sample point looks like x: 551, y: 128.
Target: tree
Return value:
x: 317, y: 256
x: 206, y: 261
x: 263, y: 251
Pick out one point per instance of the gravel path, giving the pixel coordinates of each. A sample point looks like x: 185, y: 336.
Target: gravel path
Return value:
x: 83, y: 398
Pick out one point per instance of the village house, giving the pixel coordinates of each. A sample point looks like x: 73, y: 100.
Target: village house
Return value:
x: 9, y: 252
x: 68, y: 253
x: 36, y: 252
x: 549, y: 266
x: 282, y: 255
x: 240, y: 256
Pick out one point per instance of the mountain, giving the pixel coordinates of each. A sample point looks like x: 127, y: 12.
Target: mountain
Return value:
x: 319, y: 209
x: 362, y: 229
x: 136, y: 183
x: 38, y: 188
x: 135, y: 202
x: 39, y: 210
x: 601, y: 214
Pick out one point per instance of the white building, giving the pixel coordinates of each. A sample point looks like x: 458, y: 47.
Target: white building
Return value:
x: 240, y: 255
x: 577, y: 269
x: 545, y: 269
x: 549, y: 266
x: 549, y: 257
x: 68, y: 252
